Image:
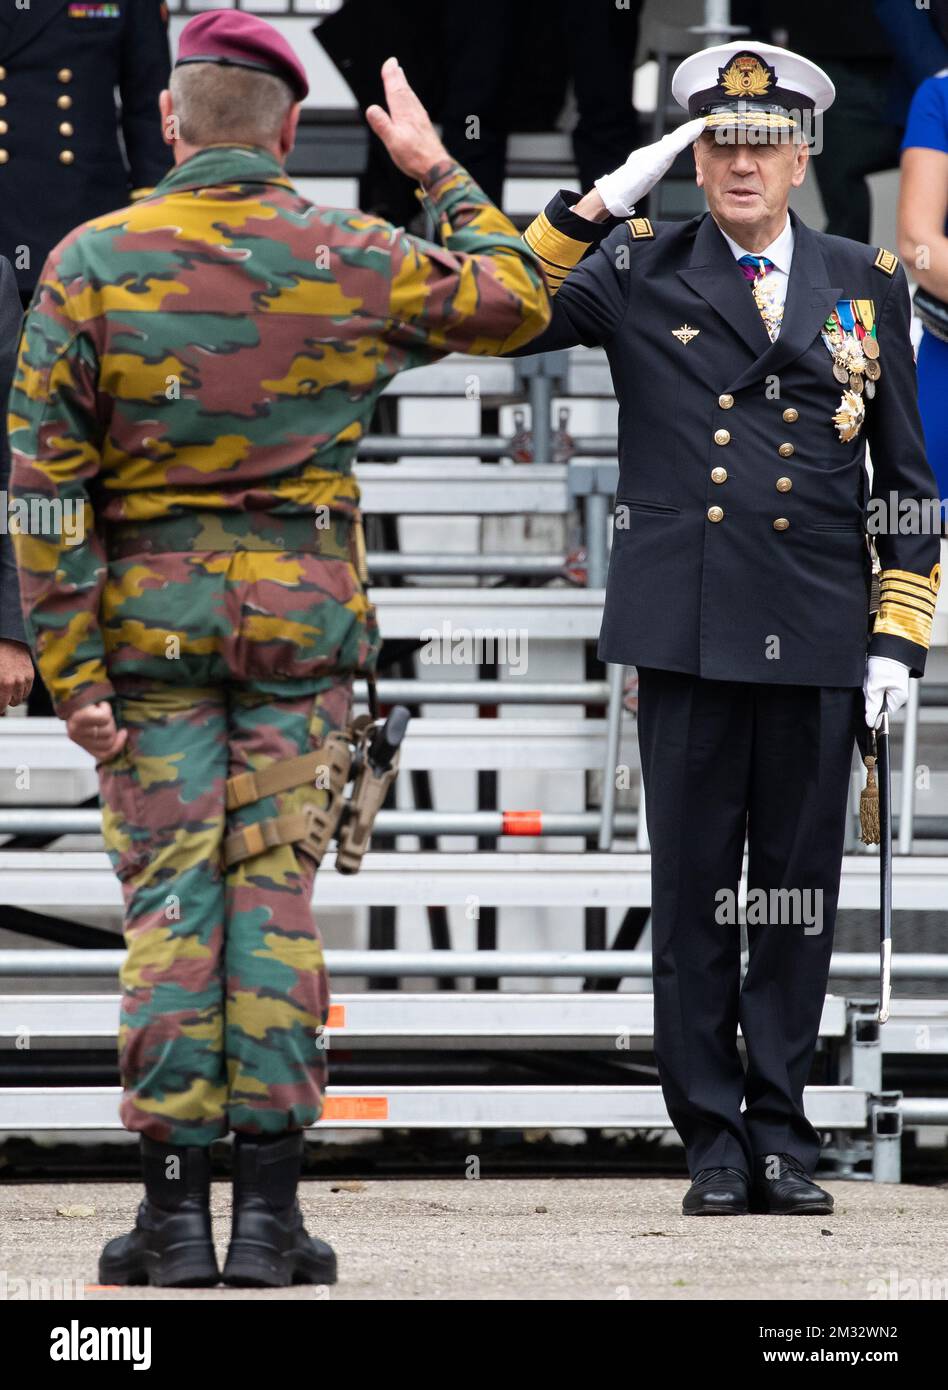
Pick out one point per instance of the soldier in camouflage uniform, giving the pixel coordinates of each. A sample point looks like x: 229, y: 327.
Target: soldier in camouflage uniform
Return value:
x: 195, y: 374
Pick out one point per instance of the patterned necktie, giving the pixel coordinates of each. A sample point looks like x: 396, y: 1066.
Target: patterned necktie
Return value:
x: 755, y: 270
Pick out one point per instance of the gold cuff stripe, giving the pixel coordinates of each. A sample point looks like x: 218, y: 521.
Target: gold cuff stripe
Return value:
x: 898, y: 621
x: 928, y: 583
x: 554, y: 246
x: 910, y: 586
x: 905, y: 592
x: 897, y: 606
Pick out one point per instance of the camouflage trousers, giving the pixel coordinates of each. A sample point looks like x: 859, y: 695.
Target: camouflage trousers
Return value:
x: 225, y: 987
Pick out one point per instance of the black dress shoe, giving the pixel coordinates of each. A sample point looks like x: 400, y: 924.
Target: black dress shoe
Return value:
x: 717, y: 1192
x: 783, y: 1187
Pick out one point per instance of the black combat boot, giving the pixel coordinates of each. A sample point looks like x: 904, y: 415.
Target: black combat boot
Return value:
x: 269, y: 1247
x: 171, y: 1244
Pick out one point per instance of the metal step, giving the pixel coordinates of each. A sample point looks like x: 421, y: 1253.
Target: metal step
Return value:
x: 505, y: 618
x: 916, y: 1027
x: 26, y: 1109
x: 486, y: 1021
x: 74, y: 963
x: 57, y: 879
x: 464, y: 489
x: 531, y: 744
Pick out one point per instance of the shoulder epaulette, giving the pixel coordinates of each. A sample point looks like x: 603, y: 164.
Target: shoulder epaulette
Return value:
x: 640, y: 228
x: 886, y: 260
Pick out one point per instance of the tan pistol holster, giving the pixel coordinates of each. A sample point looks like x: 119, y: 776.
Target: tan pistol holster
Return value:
x: 345, y: 755
x: 369, y: 789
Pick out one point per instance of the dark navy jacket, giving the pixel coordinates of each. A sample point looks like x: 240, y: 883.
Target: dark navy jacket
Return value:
x: 60, y: 158
x: 723, y: 423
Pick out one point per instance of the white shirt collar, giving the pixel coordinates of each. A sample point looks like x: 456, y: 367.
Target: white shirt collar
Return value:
x: 780, y: 250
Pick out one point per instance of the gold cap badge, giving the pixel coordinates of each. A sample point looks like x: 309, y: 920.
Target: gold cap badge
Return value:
x: 746, y: 76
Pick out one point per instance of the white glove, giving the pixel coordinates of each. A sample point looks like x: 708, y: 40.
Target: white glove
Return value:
x: 621, y: 190
x: 888, y: 678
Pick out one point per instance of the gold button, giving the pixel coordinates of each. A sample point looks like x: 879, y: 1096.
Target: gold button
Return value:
x: 784, y: 484
x: 65, y: 74
x: 3, y: 127
x: 715, y: 513
x: 3, y: 98
x: 722, y: 436
x: 64, y: 102
x: 719, y: 475
x: 785, y: 450
x: 781, y: 523
x: 65, y: 128
x: 4, y: 156
x: 66, y: 156
x: 790, y: 414
x: 3, y: 74
x: 725, y: 401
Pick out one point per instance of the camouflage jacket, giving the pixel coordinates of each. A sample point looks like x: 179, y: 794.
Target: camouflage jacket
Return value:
x: 217, y: 347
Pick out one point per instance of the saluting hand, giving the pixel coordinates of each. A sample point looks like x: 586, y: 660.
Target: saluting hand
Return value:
x: 642, y: 170
x: 405, y: 129
x: 93, y: 728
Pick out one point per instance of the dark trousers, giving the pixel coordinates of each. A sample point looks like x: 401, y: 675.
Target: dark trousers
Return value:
x: 721, y: 759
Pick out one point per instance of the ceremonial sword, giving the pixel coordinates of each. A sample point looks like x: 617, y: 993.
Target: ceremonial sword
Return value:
x: 880, y: 747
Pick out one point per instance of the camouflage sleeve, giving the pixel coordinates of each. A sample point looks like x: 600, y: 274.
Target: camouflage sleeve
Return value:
x: 482, y: 291
x: 55, y: 443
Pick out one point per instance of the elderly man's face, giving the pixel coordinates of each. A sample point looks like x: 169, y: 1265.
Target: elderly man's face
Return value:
x: 746, y: 183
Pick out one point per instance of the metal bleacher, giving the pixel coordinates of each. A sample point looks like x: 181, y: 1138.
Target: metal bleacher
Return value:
x: 54, y: 875
x: 486, y: 883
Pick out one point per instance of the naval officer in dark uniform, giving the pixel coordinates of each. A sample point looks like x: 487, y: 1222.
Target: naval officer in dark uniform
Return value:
x: 753, y: 359
x: 66, y: 154
x: 61, y: 162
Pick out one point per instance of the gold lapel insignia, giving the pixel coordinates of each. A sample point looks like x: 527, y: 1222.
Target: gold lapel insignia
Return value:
x: 684, y: 334
x: 886, y: 260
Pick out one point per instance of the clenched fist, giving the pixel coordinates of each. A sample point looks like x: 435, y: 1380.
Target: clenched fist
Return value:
x: 16, y: 673
x: 93, y: 728
x: 405, y: 129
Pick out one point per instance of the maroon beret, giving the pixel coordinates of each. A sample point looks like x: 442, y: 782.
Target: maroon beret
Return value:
x: 241, y: 40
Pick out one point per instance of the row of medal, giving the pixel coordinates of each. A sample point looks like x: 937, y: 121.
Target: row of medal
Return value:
x: 850, y: 336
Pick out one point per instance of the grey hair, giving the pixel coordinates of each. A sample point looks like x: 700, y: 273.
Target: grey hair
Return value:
x: 218, y: 104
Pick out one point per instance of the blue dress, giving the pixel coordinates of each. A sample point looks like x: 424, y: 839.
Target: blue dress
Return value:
x: 927, y: 128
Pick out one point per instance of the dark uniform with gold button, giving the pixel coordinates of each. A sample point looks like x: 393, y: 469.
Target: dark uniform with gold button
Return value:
x: 61, y: 162
x: 739, y: 586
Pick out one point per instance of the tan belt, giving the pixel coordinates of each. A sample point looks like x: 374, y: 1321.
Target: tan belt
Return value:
x: 314, y: 826
x: 247, y: 787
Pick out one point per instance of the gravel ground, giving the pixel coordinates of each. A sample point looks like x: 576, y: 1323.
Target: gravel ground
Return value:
x: 524, y: 1239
